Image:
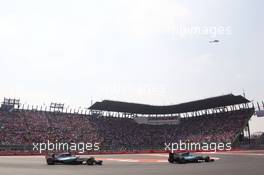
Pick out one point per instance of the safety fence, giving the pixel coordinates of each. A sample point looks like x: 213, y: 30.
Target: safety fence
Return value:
x: 26, y: 150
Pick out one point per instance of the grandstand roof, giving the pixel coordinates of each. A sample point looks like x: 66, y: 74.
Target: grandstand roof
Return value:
x: 208, y: 103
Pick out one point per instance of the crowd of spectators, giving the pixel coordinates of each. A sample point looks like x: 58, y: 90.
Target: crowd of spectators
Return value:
x: 261, y: 139
x: 26, y: 127
x: 124, y: 133
x: 257, y: 139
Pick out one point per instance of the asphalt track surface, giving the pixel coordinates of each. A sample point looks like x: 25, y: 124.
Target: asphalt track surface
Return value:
x: 235, y: 163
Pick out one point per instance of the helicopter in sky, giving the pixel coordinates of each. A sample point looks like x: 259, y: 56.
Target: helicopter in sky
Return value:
x: 214, y: 41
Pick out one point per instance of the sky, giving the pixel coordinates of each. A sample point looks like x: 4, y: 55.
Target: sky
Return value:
x: 146, y: 51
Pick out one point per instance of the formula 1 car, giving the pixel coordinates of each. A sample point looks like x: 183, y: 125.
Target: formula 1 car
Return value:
x: 69, y: 159
x: 188, y: 158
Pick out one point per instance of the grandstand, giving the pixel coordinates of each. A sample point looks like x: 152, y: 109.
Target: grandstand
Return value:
x: 129, y: 126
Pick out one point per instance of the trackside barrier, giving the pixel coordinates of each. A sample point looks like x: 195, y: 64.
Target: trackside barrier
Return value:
x: 31, y: 153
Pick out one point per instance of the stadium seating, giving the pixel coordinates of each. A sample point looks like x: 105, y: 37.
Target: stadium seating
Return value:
x: 26, y: 127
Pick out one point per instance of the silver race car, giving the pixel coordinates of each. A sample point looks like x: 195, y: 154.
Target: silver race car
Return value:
x: 70, y: 159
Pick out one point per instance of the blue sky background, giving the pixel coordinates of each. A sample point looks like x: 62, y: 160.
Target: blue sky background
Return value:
x: 77, y: 51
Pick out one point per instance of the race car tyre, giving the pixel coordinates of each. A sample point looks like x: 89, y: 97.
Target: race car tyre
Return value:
x: 207, y: 159
x: 90, y: 161
x: 99, y: 162
x: 50, y: 161
x: 170, y: 160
